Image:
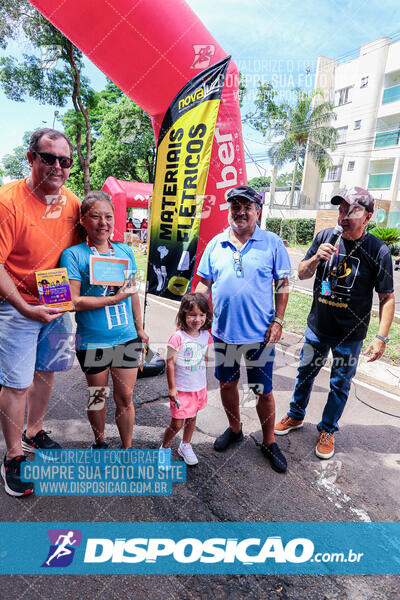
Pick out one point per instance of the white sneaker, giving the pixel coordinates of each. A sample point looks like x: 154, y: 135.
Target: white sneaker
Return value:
x: 186, y: 451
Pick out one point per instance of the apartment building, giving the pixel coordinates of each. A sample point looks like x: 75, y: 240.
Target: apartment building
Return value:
x: 366, y: 95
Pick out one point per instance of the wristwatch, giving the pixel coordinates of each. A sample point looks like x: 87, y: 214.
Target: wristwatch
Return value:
x: 280, y: 322
x: 383, y: 339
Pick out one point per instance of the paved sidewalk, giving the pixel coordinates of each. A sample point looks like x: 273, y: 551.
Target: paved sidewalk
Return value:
x: 380, y: 374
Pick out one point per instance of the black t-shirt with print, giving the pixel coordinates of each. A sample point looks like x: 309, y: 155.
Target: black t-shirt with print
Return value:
x: 346, y: 313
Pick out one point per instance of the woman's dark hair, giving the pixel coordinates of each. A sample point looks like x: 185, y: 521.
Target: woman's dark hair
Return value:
x: 187, y: 303
x: 92, y: 197
x: 87, y: 203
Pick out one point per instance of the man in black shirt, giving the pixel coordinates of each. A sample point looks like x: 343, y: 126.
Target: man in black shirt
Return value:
x: 342, y: 299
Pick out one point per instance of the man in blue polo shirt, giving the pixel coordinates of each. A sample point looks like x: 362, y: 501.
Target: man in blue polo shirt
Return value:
x: 239, y: 266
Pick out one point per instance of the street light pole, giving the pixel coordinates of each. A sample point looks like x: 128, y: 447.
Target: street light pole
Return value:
x: 56, y: 113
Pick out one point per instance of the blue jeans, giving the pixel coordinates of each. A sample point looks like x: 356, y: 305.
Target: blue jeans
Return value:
x: 312, y: 357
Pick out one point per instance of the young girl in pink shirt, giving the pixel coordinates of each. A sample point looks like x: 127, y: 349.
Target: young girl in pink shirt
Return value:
x: 186, y: 371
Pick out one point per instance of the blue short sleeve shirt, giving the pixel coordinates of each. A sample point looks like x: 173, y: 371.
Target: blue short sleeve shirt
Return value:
x: 101, y: 327
x: 243, y: 297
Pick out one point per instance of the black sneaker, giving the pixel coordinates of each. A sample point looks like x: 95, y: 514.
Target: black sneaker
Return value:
x: 227, y: 439
x: 11, y: 473
x: 275, y: 457
x: 41, y: 441
x: 99, y: 446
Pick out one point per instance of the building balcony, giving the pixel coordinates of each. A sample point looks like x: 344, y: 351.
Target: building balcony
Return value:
x: 387, y: 138
x: 391, y: 94
x: 380, y: 181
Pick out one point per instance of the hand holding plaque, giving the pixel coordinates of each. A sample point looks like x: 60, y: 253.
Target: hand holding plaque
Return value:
x: 128, y: 288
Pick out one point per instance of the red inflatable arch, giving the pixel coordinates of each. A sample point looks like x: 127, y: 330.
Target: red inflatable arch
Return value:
x: 151, y: 49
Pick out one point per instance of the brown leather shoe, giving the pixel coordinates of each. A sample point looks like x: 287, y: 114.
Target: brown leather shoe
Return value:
x: 326, y: 445
x: 287, y: 424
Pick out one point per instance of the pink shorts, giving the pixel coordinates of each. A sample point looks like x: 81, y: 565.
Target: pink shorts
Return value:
x: 189, y: 404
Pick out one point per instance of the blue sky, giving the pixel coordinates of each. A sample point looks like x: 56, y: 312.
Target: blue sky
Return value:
x: 276, y: 41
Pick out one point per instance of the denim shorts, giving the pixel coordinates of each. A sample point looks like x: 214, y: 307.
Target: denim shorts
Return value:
x: 27, y: 346
x: 258, y: 358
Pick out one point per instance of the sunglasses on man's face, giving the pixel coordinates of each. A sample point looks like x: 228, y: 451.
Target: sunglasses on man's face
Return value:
x: 65, y: 162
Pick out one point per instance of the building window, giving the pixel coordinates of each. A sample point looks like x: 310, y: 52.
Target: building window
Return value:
x: 341, y: 135
x: 350, y: 165
x: 364, y: 81
x: 333, y: 174
x: 380, y: 181
x: 357, y: 124
x: 342, y: 96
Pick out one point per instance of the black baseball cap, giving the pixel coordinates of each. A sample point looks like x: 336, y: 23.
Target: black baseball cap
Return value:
x: 246, y: 192
x: 355, y: 197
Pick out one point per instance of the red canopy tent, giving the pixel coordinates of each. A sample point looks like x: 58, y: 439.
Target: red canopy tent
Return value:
x: 126, y: 194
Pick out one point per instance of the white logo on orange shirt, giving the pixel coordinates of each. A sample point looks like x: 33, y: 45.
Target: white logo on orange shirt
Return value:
x: 54, y: 207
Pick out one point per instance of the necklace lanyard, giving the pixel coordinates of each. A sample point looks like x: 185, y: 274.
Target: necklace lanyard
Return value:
x: 97, y: 253
x: 360, y: 241
x: 347, y: 256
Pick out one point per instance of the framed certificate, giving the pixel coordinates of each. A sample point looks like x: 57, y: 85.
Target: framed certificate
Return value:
x: 108, y: 270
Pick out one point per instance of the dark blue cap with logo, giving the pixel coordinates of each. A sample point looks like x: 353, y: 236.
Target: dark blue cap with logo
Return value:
x: 246, y: 192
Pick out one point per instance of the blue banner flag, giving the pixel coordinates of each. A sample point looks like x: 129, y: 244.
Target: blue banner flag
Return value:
x: 200, y: 548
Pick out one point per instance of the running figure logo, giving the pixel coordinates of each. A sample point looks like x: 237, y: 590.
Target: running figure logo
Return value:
x: 202, y: 55
x: 63, y: 543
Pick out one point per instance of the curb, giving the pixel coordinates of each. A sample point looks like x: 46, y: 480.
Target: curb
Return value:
x: 379, y: 374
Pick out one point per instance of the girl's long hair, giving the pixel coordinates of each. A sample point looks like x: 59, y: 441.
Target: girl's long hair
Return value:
x: 187, y: 303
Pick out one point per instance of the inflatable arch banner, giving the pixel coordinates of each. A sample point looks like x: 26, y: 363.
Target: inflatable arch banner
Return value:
x: 151, y: 49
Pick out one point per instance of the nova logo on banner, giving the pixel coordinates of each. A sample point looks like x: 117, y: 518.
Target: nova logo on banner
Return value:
x: 63, y: 543
x: 183, y: 160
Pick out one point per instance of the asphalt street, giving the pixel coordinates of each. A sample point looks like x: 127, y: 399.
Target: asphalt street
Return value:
x: 359, y: 484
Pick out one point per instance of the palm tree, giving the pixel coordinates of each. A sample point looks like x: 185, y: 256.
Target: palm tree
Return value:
x: 304, y: 125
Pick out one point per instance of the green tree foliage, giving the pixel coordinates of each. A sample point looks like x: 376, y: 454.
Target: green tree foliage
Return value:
x: 268, y: 112
x: 122, y: 140
x: 125, y: 147
x: 296, y: 231
x: 51, y: 74
x: 74, y: 122
x: 242, y: 89
x: 285, y: 179
x: 267, y: 118
x: 389, y: 235
x: 15, y: 165
x: 260, y: 183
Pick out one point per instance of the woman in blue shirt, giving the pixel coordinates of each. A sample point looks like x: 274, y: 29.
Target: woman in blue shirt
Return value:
x: 109, y: 322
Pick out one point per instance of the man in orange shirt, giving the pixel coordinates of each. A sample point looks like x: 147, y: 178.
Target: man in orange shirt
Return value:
x: 38, y: 220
